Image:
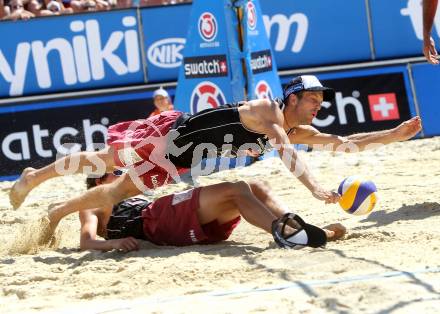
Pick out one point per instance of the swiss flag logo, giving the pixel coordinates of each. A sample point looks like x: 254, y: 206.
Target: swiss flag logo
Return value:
x: 383, y: 107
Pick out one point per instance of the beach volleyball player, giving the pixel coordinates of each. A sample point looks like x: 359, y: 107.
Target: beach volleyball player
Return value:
x: 159, y: 148
x: 203, y: 215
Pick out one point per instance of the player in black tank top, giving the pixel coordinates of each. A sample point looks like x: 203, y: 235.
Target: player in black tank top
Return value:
x: 221, y: 129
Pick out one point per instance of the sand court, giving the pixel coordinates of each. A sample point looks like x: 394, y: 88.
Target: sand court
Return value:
x: 389, y: 261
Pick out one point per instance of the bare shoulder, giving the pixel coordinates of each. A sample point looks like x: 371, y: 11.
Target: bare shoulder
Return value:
x: 265, y: 109
x: 260, y: 115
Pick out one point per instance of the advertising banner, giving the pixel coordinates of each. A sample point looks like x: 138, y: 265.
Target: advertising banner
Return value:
x: 164, y: 30
x: 366, y: 100
x: 261, y: 68
x: 34, y: 133
x: 317, y: 32
x: 301, y: 33
x: 398, y: 28
x: 211, y: 74
x: 70, y: 52
x: 427, y: 82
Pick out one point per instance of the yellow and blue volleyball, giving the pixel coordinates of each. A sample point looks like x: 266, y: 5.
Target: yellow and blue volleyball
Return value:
x: 358, y: 196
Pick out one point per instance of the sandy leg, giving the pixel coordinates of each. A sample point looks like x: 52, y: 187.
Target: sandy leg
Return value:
x: 48, y: 224
x: 21, y: 188
x: 46, y: 231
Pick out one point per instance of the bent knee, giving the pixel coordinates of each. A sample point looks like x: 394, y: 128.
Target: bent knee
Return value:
x: 237, y: 189
x: 259, y: 186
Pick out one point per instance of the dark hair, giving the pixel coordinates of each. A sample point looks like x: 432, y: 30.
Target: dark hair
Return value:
x: 298, y: 95
x: 294, y: 81
x: 91, y: 181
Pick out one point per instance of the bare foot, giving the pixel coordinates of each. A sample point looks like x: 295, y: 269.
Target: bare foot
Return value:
x: 46, y: 232
x: 21, y: 188
x: 335, y: 231
x: 48, y: 224
x: 54, y: 215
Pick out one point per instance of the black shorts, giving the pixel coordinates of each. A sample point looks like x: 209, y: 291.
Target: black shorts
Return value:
x: 212, y: 133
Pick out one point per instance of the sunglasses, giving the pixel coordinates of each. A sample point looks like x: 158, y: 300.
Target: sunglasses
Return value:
x: 118, y: 172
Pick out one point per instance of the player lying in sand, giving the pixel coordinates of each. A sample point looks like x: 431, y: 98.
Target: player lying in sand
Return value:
x: 197, y: 216
x: 157, y: 149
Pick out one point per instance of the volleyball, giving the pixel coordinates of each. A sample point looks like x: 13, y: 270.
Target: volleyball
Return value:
x: 358, y: 196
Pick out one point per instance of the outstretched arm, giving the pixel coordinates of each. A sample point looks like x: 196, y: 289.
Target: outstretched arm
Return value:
x: 88, y: 241
x: 429, y: 10
x: 357, y: 142
x: 263, y: 193
x: 296, y: 164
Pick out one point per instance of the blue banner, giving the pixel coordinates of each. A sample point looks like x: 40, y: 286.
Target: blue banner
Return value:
x: 302, y: 33
x: 211, y: 74
x: 262, y: 73
x: 427, y: 82
x: 164, y: 41
x: 102, y: 49
x: 316, y: 32
x: 398, y: 28
x: 70, y: 52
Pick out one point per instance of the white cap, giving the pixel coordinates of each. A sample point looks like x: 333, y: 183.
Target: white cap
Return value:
x: 160, y: 92
x: 307, y: 83
x: 55, y: 4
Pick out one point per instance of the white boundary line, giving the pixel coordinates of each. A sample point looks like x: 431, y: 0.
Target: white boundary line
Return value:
x: 133, y: 305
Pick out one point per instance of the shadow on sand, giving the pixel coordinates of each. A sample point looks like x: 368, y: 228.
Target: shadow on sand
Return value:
x: 406, y: 212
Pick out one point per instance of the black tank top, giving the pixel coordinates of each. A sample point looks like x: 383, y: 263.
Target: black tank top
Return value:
x: 126, y: 219
x: 219, y: 131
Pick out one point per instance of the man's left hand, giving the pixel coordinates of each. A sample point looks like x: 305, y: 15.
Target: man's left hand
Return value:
x: 429, y: 50
x: 408, y: 129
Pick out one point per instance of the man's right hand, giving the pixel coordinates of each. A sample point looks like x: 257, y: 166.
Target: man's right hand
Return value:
x: 429, y: 50
x: 330, y: 197
x: 125, y: 244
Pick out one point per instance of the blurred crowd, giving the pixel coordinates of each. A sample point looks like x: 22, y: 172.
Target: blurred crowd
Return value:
x: 26, y: 9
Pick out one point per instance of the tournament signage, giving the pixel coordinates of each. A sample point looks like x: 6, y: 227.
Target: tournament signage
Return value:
x: 261, y: 61
x: 33, y: 134
x: 301, y: 33
x: 209, y: 66
x: 427, y: 82
x: 315, y: 32
x: 102, y: 49
x: 398, y: 27
x: 70, y: 52
x: 262, y: 76
x: 211, y: 72
x: 366, y: 100
x: 164, y: 29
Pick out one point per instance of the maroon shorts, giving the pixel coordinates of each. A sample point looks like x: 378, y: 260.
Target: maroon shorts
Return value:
x: 143, y: 145
x: 172, y: 220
